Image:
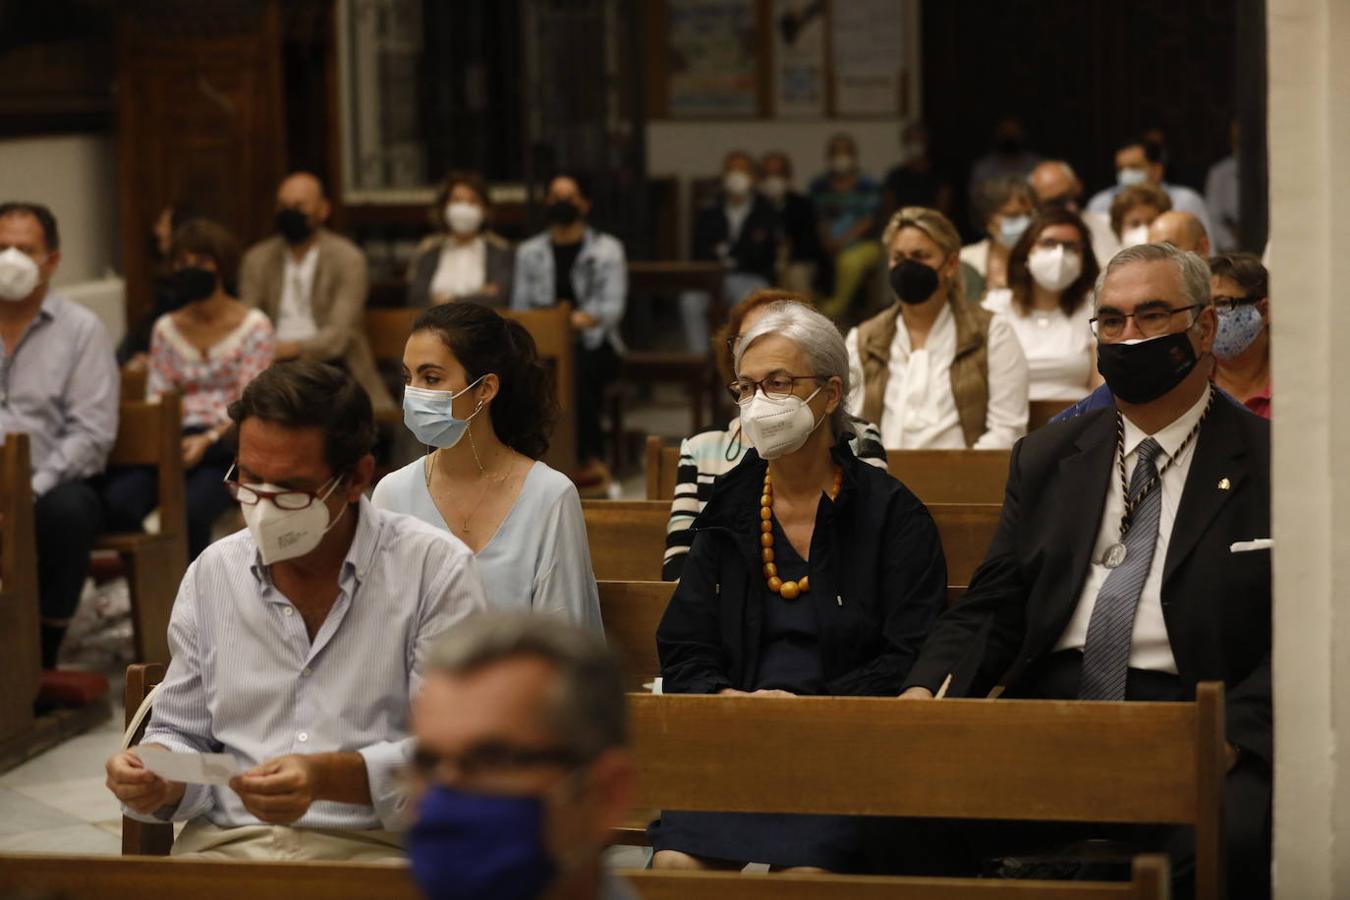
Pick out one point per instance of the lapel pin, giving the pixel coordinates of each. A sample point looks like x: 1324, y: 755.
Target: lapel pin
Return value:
x: 1224, y: 484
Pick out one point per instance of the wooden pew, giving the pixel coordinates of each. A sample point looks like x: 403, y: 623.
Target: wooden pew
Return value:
x: 133, y: 383
x: 935, y: 476
x: 139, y: 838
x: 387, y: 332
x: 20, y: 653
x: 628, y: 537
x: 150, y: 434
x: 1040, y: 412
x: 113, y: 878
x: 1044, y: 760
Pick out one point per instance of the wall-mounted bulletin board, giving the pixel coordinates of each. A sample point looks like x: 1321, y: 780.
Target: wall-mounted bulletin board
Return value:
x: 779, y: 59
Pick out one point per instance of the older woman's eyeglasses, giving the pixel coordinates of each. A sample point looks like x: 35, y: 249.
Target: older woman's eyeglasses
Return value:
x: 1153, y: 320
x: 778, y: 386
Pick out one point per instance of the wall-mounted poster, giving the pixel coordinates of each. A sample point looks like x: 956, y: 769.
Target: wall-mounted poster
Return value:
x: 798, y: 28
x: 867, y: 42
x: 713, y: 49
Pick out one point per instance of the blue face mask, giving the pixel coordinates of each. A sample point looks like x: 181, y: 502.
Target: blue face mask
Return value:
x: 1237, y: 329
x: 1131, y: 177
x: 467, y: 846
x: 1010, y: 231
x: 430, y: 416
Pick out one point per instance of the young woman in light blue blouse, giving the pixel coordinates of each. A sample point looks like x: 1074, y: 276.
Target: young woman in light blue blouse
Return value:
x: 478, y: 395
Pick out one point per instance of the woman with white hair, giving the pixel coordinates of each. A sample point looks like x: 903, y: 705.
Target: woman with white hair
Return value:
x: 810, y: 573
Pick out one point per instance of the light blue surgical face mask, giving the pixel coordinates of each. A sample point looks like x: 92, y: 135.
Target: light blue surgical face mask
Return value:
x: 1131, y: 177
x: 1011, y: 229
x: 430, y: 415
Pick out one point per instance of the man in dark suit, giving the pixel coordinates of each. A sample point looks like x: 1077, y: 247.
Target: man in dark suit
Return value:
x: 1087, y: 595
x: 795, y: 217
x: 737, y: 230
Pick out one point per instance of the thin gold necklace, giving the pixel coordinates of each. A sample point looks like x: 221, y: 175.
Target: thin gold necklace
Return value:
x: 488, y: 481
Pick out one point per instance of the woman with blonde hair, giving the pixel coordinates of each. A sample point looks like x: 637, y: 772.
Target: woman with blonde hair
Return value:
x: 932, y: 371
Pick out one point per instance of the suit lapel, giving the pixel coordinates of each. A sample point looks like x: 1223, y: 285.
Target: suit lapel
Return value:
x: 1084, y: 480
x: 274, y: 283
x: 1219, y: 453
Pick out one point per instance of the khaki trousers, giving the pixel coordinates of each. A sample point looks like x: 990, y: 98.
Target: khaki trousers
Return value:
x: 202, y: 840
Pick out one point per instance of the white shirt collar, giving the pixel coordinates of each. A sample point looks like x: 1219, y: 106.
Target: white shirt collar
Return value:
x: 307, y: 262
x: 1169, y: 437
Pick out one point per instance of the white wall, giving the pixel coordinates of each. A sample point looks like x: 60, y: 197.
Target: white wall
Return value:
x: 76, y: 176
x: 1309, y: 193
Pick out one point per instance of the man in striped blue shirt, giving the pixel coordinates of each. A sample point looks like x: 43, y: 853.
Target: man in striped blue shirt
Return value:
x: 296, y: 643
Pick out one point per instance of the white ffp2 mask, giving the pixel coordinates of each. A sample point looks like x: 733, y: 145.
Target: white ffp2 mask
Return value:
x: 778, y: 427
x: 1054, y: 268
x: 282, y: 534
x: 19, y: 275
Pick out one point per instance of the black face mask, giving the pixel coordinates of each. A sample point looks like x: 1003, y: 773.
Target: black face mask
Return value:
x: 1009, y: 146
x: 1143, y: 372
x: 913, y: 282
x: 191, y: 284
x: 294, y: 225
x: 562, y: 212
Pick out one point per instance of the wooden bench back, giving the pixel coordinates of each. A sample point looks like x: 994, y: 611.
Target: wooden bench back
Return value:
x: 151, y: 434
x: 20, y: 653
x: 964, y: 759
x: 133, y: 382
x: 113, y: 878
x: 628, y: 537
x: 1040, y: 412
x: 387, y: 332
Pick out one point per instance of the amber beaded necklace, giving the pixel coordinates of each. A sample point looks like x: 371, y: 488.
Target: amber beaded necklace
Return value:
x: 788, y: 590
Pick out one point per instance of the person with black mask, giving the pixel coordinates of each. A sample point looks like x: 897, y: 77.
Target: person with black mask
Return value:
x: 134, y: 350
x: 933, y: 371
x: 207, y: 352
x: 521, y: 768
x: 312, y: 284
x: 572, y: 264
x: 1112, y: 575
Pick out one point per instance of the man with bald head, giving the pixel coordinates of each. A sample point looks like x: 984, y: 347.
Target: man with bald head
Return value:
x: 312, y: 284
x: 1182, y: 230
x: 1056, y: 184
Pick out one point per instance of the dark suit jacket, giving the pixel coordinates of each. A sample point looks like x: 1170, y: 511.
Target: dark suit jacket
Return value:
x: 755, y: 250
x: 797, y: 225
x: 500, y: 263
x: 1216, y: 603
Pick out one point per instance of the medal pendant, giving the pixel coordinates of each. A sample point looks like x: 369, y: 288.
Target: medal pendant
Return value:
x: 1115, y: 555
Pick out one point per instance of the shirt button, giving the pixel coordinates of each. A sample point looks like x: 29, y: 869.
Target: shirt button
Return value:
x: 302, y: 736
x: 288, y: 611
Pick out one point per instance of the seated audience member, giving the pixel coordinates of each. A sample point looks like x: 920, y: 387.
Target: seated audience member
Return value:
x: 915, y: 181
x: 571, y: 263
x: 1005, y: 207
x: 933, y: 371
x: 521, y: 766
x: 208, y: 352
x: 797, y: 232
x: 1010, y: 157
x: 297, y: 642
x: 1055, y: 184
x: 811, y: 574
x: 1140, y: 162
x: 1051, y: 273
x: 134, y: 349
x: 463, y: 260
x: 1241, y: 289
x: 717, y: 451
x: 1133, y: 211
x: 737, y: 230
x: 480, y: 399
x: 312, y: 284
x: 61, y: 389
x: 1087, y: 594
x: 847, y: 205
x: 1182, y: 230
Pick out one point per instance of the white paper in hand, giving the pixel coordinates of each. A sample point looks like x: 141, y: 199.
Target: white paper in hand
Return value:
x: 189, y: 767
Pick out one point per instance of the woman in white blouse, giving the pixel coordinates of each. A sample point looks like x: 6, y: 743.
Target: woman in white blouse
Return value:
x: 480, y: 398
x: 463, y: 260
x: 931, y: 370
x: 1050, y: 276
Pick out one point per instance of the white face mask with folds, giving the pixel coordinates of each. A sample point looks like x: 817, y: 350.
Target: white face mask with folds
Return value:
x: 282, y: 534
x: 1054, y: 268
x: 1132, y: 237
x: 777, y: 427
x: 19, y: 275
x: 464, y: 218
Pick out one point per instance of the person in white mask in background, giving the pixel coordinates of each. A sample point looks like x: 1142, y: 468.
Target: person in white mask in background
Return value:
x: 1050, y: 276
x: 1133, y: 211
x: 811, y: 573
x: 480, y: 399
x: 61, y: 389
x: 1005, y: 206
x: 464, y: 259
x: 1143, y: 161
x: 296, y: 642
x: 737, y: 230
